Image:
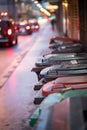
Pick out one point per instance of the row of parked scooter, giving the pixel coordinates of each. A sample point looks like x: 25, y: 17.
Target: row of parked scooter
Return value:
x: 63, y: 69
x: 64, y: 66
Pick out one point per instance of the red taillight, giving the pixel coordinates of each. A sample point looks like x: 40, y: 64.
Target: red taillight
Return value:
x: 9, y: 31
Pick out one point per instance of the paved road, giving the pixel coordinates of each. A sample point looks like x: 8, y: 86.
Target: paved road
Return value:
x: 17, y: 94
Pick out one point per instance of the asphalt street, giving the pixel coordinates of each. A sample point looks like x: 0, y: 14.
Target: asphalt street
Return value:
x: 17, y: 83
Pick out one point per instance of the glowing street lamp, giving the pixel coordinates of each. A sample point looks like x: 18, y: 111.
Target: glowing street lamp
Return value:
x: 65, y: 5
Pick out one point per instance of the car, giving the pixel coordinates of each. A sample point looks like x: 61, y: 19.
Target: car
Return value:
x: 34, y: 25
x: 8, y: 34
x: 63, y: 84
x: 24, y: 28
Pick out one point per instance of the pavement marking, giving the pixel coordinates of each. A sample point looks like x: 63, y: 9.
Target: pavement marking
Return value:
x: 7, y: 73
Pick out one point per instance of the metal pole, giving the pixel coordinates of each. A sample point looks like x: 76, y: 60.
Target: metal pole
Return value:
x: 66, y: 32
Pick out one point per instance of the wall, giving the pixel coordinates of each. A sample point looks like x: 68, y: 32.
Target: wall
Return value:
x: 83, y: 22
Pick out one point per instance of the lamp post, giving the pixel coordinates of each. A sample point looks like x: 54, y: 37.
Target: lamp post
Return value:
x: 65, y: 5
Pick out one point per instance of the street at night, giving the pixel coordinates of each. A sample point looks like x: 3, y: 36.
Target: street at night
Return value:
x: 17, y: 81
x: 43, y: 65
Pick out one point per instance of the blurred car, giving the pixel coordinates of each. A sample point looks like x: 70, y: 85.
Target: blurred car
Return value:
x: 65, y: 84
x: 8, y: 34
x: 55, y: 71
x: 34, y: 25
x: 24, y: 28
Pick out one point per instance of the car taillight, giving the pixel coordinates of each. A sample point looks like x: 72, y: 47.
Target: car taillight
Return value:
x: 27, y: 27
x: 9, y: 32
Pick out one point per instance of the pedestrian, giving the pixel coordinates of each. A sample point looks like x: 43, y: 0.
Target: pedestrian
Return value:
x: 53, y: 24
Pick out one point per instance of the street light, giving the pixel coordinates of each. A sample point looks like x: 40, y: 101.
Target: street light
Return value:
x: 65, y: 5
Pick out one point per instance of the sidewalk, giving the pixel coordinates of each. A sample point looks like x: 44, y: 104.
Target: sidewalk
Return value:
x: 17, y: 94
